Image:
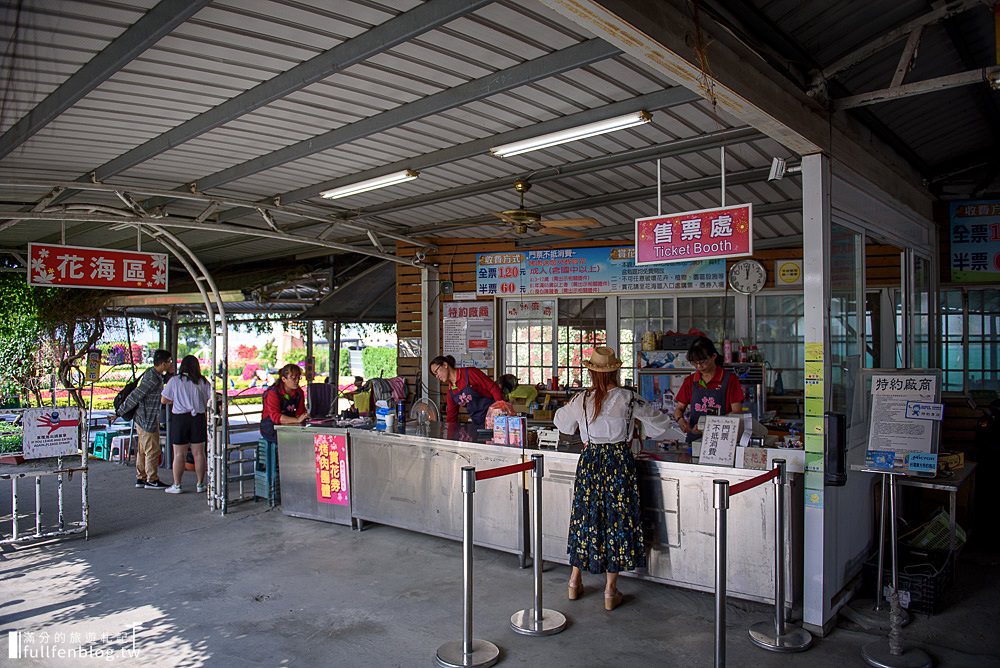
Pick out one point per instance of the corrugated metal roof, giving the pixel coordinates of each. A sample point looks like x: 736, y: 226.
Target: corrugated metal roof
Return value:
x: 259, y: 99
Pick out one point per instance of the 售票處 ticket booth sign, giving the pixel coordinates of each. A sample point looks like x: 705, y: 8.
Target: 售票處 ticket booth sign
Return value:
x: 694, y: 235
x: 59, y: 266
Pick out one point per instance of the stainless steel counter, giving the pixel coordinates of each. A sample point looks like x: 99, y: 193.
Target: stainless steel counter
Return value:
x: 300, y: 487
x: 411, y: 479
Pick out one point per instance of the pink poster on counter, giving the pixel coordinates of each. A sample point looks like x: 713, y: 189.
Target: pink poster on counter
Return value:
x: 331, y: 469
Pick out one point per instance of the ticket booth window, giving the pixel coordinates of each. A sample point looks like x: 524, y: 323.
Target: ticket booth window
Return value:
x: 583, y: 325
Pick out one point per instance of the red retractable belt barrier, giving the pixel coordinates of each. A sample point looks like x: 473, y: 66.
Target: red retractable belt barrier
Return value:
x: 753, y: 482
x: 504, y: 470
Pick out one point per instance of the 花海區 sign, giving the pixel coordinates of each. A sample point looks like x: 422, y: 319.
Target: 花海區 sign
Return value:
x: 694, y: 235
x: 79, y: 267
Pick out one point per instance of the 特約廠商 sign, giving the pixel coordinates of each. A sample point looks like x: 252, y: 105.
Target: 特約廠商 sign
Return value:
x: 53, y: 265
x: 694, y: 235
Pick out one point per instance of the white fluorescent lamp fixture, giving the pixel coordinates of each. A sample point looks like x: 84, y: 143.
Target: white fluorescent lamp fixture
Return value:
x: 572, y: 134
x: 370, y: 184
x: 779, y: 169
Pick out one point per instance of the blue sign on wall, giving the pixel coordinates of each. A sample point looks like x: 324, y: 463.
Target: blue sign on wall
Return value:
x: 975, y: 241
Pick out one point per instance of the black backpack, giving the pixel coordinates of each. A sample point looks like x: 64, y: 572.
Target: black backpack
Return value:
x: 122, y: 396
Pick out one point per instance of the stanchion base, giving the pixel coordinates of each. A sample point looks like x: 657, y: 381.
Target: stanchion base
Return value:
x: 523, y: 622
x: 877, y: 654
x: 794, y: 639
x: 484, y: 653
x: 863, y: 613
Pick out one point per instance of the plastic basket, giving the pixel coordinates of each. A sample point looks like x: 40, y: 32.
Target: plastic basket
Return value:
x: 266, y: 482
x: 924, y: 576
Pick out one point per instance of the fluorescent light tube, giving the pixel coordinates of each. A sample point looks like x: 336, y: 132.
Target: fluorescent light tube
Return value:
x: 572, y: 134
x: 370, y: 184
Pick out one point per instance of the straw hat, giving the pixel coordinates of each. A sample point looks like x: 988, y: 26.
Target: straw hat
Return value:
x: 603, y: 359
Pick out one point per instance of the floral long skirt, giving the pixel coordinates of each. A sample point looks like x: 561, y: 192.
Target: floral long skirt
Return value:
x: 605, y: 533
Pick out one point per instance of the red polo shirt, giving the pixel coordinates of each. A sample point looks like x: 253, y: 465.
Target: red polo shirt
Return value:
x: 734, y: 391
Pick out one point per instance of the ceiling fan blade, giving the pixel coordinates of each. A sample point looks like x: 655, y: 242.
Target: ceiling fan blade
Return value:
x: 572, y: 222
x: 504, y: 217
x: 545, y: 229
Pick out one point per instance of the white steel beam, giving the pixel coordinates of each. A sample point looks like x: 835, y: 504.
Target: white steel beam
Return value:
x: 982, y: 76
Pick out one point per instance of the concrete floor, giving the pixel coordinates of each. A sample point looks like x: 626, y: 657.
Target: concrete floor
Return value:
x: 259, y: 588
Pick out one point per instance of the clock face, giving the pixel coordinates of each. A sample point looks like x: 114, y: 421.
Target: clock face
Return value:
x: 747, y: 276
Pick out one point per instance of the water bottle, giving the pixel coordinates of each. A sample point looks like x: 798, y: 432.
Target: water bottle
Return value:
x: 401, y: 413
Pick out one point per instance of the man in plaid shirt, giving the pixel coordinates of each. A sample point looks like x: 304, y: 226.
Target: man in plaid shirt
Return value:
x: 146, y: 398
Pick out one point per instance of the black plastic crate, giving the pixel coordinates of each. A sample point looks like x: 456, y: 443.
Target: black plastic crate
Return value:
x: 924, y: 577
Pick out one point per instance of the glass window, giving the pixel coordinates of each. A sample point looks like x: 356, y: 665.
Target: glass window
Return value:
x: 529, y: 330
x: 983, y: 337
x: 582, y: 325
x: 779, y: 322
x: 710, y: 314
x: 636, y: 317
x: 846, y: 354
x: 952, y: 341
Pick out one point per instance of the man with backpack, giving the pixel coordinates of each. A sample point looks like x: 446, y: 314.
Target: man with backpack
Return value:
x: 144, y: 401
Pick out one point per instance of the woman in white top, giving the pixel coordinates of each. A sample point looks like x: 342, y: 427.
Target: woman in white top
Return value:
x: 605, y: 534
x: 188, y: 393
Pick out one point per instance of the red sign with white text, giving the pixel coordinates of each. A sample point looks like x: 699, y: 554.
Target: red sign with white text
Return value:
x: 694, y: 235
x: 78, y: 267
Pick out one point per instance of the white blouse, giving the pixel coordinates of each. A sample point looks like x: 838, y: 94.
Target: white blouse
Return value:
x: 609, y: 426
x: 187, y: 397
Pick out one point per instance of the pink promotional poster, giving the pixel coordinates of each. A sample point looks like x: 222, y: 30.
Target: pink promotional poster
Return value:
x: 694, y: 235
x: 331, y: 469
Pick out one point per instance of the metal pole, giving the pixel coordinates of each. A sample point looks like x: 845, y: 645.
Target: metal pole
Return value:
x: 13, y: 507
x: 85, y: 483
x: 59, y: 494
x: 763, y: 634
x: 881, y: 549
x: 779, y: 548
x: 891, y: 653
x: 539, y: 621
x: 469, y: 652
x: 38, y: 505
x: 720, y: 501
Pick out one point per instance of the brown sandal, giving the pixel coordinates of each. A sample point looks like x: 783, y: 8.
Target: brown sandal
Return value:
x: 613, y: 601
x: 574, y: 591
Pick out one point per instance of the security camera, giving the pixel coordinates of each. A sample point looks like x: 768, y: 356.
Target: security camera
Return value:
x: 421, y: 255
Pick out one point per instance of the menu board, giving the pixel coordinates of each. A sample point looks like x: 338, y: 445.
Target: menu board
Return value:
x: 975, y: 241
x: 601, y: 270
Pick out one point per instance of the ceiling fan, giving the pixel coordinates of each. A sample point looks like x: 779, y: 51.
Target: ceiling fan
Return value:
x: 522, y: 219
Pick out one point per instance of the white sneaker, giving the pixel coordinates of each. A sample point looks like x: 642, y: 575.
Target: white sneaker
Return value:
x: 173, y: 489
x: 202, y: 488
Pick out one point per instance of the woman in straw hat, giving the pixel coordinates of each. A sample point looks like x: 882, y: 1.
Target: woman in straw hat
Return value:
x: 605, y: 535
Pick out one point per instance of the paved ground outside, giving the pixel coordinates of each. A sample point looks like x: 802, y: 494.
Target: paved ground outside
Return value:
x: 164, y: 582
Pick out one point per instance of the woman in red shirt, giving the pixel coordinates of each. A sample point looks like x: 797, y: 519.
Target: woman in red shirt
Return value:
x: 711, y: 390
x: 284, y: 402
x: 466, y: 387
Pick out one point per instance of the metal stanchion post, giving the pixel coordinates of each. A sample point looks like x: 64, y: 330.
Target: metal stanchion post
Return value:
x: 762, y: 634
x: 891, y: 653
x: 537, y: 621
x: 721, y: 502
x: 469, y: 652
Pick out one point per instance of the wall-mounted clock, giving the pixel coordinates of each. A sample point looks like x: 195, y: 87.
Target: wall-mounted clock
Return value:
x: 747, y: 276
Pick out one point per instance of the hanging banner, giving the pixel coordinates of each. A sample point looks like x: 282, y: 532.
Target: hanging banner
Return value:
x: 467, y: 333
x: 694, y: 235
x: 331, y: 469
x: 79, y: 267
x: 603, y: 270
x: 51, y: 432
x: 975, y: 241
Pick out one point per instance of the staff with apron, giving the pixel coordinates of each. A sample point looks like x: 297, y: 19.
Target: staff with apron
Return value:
x: 711, y: 390
x: 467, y: 388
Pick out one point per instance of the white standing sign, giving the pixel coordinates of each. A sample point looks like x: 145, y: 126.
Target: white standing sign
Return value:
x: 719, y: 439
x: 895, y: 429
x: 51, y: 432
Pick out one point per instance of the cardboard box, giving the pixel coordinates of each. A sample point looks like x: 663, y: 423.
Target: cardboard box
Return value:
x: 949, y: 461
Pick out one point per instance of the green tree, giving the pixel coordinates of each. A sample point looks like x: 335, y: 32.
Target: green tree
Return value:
x: 345, y: 362
x: 20, y: 335
x: 269, y: 353
x: 379, y: 362
x: 295, y: 355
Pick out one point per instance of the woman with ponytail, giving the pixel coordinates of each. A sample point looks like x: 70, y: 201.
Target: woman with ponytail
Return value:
x: 187, y: 394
